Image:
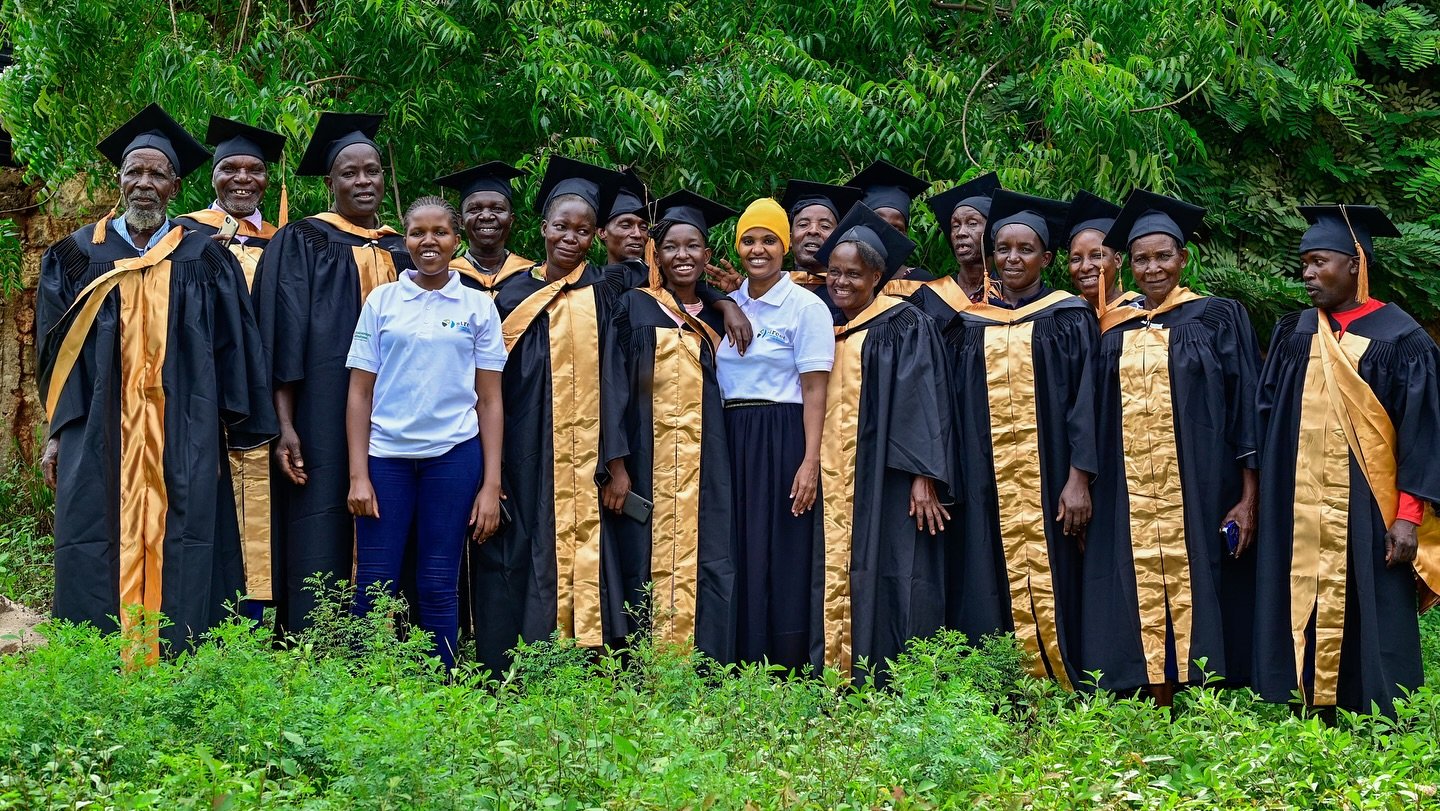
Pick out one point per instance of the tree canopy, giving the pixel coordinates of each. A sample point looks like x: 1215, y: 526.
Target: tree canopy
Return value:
x: 1248, y: 107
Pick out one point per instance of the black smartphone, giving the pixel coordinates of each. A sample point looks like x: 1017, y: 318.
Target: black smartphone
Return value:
x: 504, y: 514
x: 637, y: 508
x: 1232, y: 536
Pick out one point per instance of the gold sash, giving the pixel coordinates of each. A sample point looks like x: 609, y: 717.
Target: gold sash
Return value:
x: 1117, y: 315
x: 901, y: 287
x: 677, y: 402
x: 575, y: 436
x: 143, y: 285
x: 838, y: 448
x: 247, y: 255
x: 513, y: 266
x: 1341, y: 417
x: 1015, y: 449
x: 805, y: 278
x: 375, y: 264
x: 949, y: 290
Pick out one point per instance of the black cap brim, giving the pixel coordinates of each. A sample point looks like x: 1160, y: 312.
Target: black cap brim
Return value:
x: 1146, y: 213
x: 496, y: 176
x: 1338, y: 228
x: 685, y: 206
x: 801, y: 194
x: 596, y: 185
x: 862, y: 224
x: 1044, y: 216
x: 885, y: 185
x: 230, y: 138
x: 1090, y: 212
x: 976, y: 193
x: 333, y: 133
x: 153, y: 128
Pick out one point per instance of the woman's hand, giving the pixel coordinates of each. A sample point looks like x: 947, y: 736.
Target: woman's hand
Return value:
x: 723, y: 276
x: 802, y: 492
x: 613, y: 494
x: 287, y: 455
x: 485, y: 513
x: 737, y: 326
x: 925, y: 507
x: 1075, y: 505
x: 362, y: 501
x: 1243, y: 514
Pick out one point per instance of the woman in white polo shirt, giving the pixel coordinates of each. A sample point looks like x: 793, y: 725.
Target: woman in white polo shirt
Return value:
x: 424, y: 421
x: 774, y: 416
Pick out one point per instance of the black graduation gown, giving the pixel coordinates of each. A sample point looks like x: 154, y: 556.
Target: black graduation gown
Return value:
x: 1207, y: 428
x: 941, y: 299
x: 1380, y: 647
x: 640, y: 322
x: 308, y: 294
x: 514, y: 574
x: 889, y: 419
x: 1060, y: 403
x: 214, y: 392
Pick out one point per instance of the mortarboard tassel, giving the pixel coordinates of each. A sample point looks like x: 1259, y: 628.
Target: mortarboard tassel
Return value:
x: 98, y: 237
x: 657, y: 282
x: 284, y: 205
x: 1362, y: 281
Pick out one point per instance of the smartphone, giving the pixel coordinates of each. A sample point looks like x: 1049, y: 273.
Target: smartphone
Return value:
x: 1231, y: 533
x: 228, y: 229
x: 504, y: 514
x: 637, y: 508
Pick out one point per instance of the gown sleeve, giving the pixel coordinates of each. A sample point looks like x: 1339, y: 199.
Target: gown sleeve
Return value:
x: 60, y: 268
x: 615, y: 386
x: 1081, y: 338
x: 920, y: 432
x: 282, y: 301
x: 1239, y: 353
x: 242, y: 369
x: 1415, y: 411
x: 1275, y: 359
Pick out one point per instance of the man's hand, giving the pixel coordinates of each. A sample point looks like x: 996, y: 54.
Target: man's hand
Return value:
x: 1401, y: 545
x: 50, y: 461
x: 287, y: 455
x: 723, y: 276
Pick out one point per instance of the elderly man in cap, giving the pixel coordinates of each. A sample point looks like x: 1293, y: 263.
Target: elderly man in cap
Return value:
x: 149, y: 365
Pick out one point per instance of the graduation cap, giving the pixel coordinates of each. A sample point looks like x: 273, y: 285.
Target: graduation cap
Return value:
x: 333, y: 133
x: 802, y: 193
x: 888, y: 186
x: 230, y: 138
x: 1090, y: 212
x: 631, y: 197
x: 1044, y: 216
x: 685, y: 206
x: 596, y: 185
x: 1349, y: 230
x: 1342, y: 228
x: 153, y: 128
x: 973, y: 193
x: 493, y: 176
x: 1147, y: 213
x: 862, y: 224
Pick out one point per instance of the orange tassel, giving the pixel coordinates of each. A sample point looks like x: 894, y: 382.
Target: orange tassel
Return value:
x: 98, y: 237
x: 1362, y: 280
x: 284, y: 205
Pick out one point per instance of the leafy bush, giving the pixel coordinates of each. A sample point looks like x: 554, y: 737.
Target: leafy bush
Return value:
x: 237, y: 723
x: 1245, y: 106
x: 27, y: 546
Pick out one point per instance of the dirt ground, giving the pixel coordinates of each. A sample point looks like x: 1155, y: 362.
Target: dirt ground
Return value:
x: 17, y: 627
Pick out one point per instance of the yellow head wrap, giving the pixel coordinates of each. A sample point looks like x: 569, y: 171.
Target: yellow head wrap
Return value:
x: 765, y: 213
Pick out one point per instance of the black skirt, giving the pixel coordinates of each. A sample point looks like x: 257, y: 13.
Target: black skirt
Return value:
x: 767, y: 445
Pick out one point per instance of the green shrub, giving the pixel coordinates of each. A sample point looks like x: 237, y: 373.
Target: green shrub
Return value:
x: 27, y: 545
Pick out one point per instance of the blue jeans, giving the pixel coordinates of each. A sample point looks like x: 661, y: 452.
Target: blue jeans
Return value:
x: 429, y: 500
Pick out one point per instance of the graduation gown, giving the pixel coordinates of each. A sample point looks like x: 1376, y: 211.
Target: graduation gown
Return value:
x: 1175, y: 399
x: 472, y: 276
x: 941, y: 299
x: 543, y: 570
x: 1024, y: 383
x: 905, y: 283
x: 877, y: 581
x: 1330, y: 616
x: 149, y: 368
x: 249, y: 469
x: 313, y: 278
x: 675, y: 428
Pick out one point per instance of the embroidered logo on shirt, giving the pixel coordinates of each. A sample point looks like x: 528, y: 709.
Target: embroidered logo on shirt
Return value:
x: 458, y: 326
x: 362, y: 336
x: 773, y: 335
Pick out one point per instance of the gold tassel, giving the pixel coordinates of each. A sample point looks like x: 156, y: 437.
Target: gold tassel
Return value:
x: 1101, y: 302
x: 284, y: 205
x: 657, y: 282
x: 1362, y: 280
x: 98, y: 237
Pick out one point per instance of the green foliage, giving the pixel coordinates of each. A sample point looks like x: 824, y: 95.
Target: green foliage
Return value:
x: 1247, y: 106
x: 27, y: 570
x: 238, y: 723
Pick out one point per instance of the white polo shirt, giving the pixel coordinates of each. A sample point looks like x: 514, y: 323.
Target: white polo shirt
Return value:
x: 424, y: 347
x: 794, y: 333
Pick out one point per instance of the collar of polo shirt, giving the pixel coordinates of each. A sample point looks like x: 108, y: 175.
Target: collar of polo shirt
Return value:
x: 451, y: 290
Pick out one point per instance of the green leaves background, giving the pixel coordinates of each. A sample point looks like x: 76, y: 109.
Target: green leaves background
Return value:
x: 1249, y: 107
